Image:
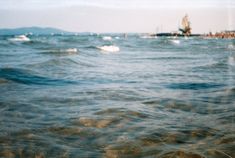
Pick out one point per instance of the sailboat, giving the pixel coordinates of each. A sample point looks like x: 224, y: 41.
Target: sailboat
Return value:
x: 186, y: 29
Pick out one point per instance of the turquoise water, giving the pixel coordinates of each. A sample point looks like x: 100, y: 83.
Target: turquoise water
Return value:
x: 61, y: 96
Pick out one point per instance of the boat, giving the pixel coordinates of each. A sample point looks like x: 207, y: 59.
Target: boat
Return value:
x: 186, y: 28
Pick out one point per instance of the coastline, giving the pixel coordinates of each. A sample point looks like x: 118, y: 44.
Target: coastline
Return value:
x: 222, y: 35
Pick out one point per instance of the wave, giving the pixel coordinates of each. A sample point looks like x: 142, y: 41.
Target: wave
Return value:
x: 193, y: 86
x: 231, y: 47
x: 69, y: 51
x: 107, y: 38
x: 56, y: 63
x: 28, y: 77
x: 90, y: 47
x: 221, y: 65
x: 231, y: 60
x: 20, y: 38
x: 175, y: 41
x: 148, y: 37
x: 110, y: 48
x: 64, y: 63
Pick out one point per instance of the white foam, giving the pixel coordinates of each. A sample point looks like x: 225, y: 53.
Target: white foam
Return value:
x: 71, y: 50
x: 231, y: 60
x: 111, y: 48
x: 107, y: 38
x: 175, y: 41
x: 20, y: 38
x: 230, y: 46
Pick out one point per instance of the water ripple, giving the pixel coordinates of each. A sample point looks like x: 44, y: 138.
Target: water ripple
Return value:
x: 28, y: 77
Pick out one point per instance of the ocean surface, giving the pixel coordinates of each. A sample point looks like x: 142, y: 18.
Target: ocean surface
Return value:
x: 116, y: 96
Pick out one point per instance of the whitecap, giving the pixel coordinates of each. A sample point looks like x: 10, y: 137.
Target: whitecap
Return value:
x: 20, y: 38
x: 230, y: 46
x: 231, y: 60
x: 175, y: 41
x: 111, y: 48
x: 71, y: 50
x: 107, y: 38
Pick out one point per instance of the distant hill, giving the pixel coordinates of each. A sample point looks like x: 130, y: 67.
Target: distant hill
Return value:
x: 33, y: 30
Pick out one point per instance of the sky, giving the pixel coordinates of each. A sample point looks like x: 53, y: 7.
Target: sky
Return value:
x: 119, y: 15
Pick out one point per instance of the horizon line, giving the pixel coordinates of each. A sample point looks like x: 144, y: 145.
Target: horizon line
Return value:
x: 101, y: 32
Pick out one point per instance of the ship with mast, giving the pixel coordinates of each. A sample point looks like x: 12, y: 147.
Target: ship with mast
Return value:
x: 184, y: 30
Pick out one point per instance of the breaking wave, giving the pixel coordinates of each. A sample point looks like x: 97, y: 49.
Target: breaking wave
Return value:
x: 110, y: 48
x: 20, y: 38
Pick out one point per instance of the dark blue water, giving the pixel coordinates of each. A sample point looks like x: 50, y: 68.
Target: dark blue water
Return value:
x: 62, y: 96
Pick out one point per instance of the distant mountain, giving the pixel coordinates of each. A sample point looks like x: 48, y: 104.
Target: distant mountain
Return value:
x: 33, y: 30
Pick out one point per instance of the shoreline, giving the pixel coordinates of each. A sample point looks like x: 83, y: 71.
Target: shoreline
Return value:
x: 221, y: 35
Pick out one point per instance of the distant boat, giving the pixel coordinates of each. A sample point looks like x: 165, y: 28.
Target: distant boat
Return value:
x: 186, y: 29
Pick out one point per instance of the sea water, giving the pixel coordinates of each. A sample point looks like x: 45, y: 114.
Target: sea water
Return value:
x: 62, y: 96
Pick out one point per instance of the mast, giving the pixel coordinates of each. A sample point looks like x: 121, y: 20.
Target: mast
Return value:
x: 186, y: 29
x: 185, y: 22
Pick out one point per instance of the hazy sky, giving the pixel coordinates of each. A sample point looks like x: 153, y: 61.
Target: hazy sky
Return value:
x: 118, y: 15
